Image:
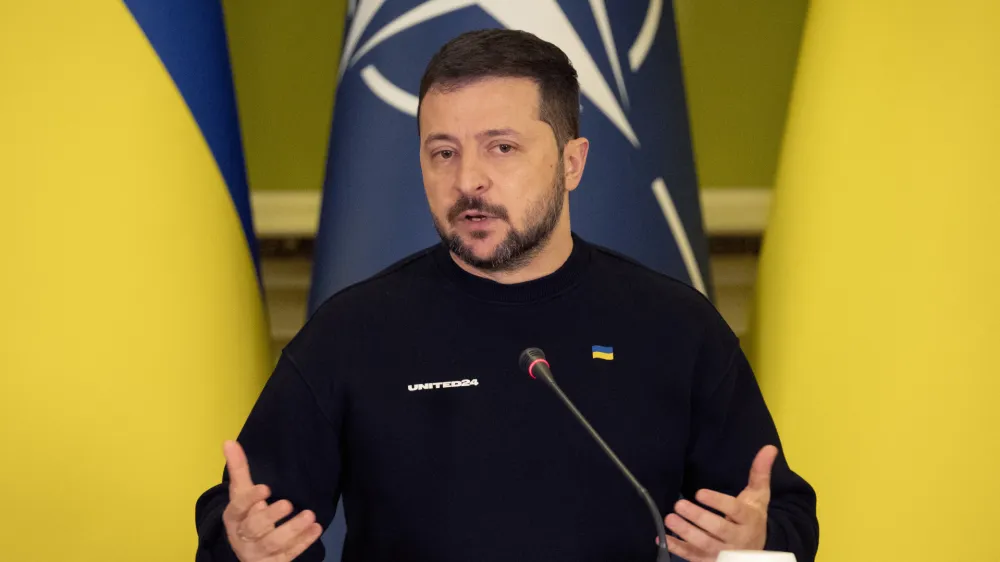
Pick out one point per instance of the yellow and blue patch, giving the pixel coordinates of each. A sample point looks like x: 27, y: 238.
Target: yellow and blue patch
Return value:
x: 603, y: 352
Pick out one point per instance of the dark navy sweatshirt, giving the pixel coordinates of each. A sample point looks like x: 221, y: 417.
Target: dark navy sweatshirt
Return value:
x: 402, y: 394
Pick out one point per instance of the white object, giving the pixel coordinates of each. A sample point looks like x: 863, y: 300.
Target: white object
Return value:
x: 754, y: 556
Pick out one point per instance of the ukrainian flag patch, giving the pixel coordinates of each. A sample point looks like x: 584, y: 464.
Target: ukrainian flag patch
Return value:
x: 603, y: 352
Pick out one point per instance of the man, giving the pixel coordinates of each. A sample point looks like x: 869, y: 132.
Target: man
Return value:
x: 403, y: 394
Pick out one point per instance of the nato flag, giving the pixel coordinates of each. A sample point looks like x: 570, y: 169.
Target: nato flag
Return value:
x: 639, y: 192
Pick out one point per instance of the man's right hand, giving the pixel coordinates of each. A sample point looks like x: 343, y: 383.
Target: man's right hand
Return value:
x: 250, y: 520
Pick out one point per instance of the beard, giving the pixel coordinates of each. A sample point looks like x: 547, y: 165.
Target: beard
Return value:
x: 519, y: 246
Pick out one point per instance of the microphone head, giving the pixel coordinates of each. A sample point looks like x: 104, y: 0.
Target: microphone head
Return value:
x: 529, y: 356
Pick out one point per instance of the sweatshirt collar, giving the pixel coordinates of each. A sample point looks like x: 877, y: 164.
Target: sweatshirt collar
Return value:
x: 568, y: 274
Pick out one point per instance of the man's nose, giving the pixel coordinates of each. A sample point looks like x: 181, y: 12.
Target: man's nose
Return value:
x: 472, y: 178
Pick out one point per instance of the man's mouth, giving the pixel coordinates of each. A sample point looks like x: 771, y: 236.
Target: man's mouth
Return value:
x: 476, y: 216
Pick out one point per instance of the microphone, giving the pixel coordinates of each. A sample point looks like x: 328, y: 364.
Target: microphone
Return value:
x: 532, y: 361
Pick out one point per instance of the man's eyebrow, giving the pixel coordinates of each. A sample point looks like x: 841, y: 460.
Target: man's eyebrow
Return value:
x: 439, y: 137
x: 487, y: 134
x: 490, y: 133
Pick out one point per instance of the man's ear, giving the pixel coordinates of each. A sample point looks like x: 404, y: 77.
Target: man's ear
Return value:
x: 574, y: 161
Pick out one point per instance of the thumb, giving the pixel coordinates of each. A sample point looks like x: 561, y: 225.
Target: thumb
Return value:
x: 760, y: 471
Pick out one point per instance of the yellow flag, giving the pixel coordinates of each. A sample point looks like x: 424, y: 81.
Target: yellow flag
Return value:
x: 132, y: 333
x: 878, y: 314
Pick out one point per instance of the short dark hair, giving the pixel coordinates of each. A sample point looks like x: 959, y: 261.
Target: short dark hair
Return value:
x: 509, y: 53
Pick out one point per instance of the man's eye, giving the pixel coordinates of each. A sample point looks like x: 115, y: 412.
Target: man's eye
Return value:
x: 505, y: 148
x: 446, y: 154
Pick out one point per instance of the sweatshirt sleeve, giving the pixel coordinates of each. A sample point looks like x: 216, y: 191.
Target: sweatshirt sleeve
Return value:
x: 292, y: 445
x: 730, y: 424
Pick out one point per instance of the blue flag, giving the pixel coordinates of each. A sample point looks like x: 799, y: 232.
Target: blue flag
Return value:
x: 639, y: 194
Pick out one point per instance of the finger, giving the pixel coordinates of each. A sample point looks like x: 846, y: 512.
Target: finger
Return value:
x: 260, y: 523
x: 686, y: 551
x: 723, y: 503
x: 237, y: 467
x: 280, y: 539
x: 241, y: 504
x: 304, y: 539
x: 760, y: 471
x: 709, y: 522
x: 692, y: 534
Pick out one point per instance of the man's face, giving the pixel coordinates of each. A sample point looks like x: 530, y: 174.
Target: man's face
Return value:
x: 492, y: 170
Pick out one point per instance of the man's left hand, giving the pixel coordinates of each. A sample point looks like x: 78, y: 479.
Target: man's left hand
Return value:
x: 704, y: 534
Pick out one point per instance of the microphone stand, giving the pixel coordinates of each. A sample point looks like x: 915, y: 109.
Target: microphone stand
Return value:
x: 533, y: 359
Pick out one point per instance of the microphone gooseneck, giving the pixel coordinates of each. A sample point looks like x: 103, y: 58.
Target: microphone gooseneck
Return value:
x: 532, y: 361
